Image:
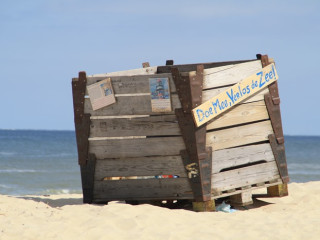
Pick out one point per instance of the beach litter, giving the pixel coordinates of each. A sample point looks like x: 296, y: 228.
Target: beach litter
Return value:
x: 223, y: 207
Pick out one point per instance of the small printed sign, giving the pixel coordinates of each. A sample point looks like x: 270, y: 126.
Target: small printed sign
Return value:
x: 160, y: 95
x: 101, y: 94
x: 234, y: 95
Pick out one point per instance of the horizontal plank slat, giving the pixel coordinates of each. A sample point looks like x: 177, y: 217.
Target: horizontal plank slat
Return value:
x: 162, y: 146
x: 142, y: 189
x: 238, y: 136
x: 143, y: 166
x: 245, y: 176
x: 240, y: 114
x: 222, y: 76
x: 252, y: 188
x: 213, y: 78
x: 143, y: 126
x: 141, y: 105
x: 122, y: 148
x: 193, y: 67
x: 130, y: 105
x: 207, y: 94
x: 133, y: 84
x: 131, y: 72
x: 167, y: 125
x: 232, y: 157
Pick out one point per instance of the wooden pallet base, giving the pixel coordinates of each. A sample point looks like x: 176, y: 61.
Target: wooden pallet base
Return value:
x: 280, y: 190
x: 208, y: 206
x: 246, y: 189
x: 242, y: 199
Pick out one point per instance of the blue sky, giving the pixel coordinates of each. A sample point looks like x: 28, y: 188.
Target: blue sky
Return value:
x: 44, y: 44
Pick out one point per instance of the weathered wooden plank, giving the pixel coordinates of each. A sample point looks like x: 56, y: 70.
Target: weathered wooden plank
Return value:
x: 244, y: 176
x: 232, y: 157
x: 130, y: 105
x: 240, y: 190
x: 122, y: 148
x: 228, y: 75
x: 162, y: 146
x: 132, y: 72
x: 142, y: 189
x: 207, y: 94
x: 193, y: 67
x: 144, y: 126
x: 143, y: 166
x: 141, y: 105
x: 238, y: 136
x: 132, y: 84
x: 167, y: 125
x: 241, y: 199
x: 243, y: 113
x: 234, y: 95
x: 213, y: 78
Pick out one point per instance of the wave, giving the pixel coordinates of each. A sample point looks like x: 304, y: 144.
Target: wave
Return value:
x: 21, y: 171
x: 4, y: 186
x: 308, y: 166
x: 7, y: 153
x: 61, y: 191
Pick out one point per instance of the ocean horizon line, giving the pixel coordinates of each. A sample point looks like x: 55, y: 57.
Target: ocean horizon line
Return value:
x: 73, y: 130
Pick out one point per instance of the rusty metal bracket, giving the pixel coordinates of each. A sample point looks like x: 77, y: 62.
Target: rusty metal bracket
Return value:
x: 280, y: 157
x: 199, y: 174
x: 82, y: 120
x: 197, y: 158
x: 87, y: 178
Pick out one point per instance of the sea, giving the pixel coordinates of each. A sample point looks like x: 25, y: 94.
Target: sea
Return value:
x: 37, y: 162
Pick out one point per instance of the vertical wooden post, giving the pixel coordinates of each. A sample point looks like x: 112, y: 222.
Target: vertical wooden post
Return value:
x: 272, y: 101
x: 207, y: 206
x: 280, y: 190
x: 242, y: 199
x: 82, y: 127
x: 197, y: 158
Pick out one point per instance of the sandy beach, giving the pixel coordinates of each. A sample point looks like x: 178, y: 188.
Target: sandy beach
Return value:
x: 296, y: 216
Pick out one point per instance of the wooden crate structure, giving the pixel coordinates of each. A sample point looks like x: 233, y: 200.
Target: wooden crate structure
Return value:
x: 122, y: 147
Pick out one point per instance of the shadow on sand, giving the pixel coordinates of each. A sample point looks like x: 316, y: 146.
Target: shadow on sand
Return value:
x: 55, y: 203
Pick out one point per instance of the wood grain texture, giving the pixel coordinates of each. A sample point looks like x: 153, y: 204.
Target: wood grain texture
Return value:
x: 133, y: 84
x: 237, y: 136
x: 236, y: 94
x: 132, y: 72
x: 161, y: 146
x: 144, y: 126
x: 167, y: 125
x: 216, y: 195
x: 229, y: 75
x: 122, y: 148
x: 232, y: 157
x: 141, y: 105
x: 213, y: 78
x: 242, y: 113
x: 142, y: 189
x: 245, y: 176
x: 207, y: 94
x: 193, y: 67
x: 143, y: 166
x: 130, y: 105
